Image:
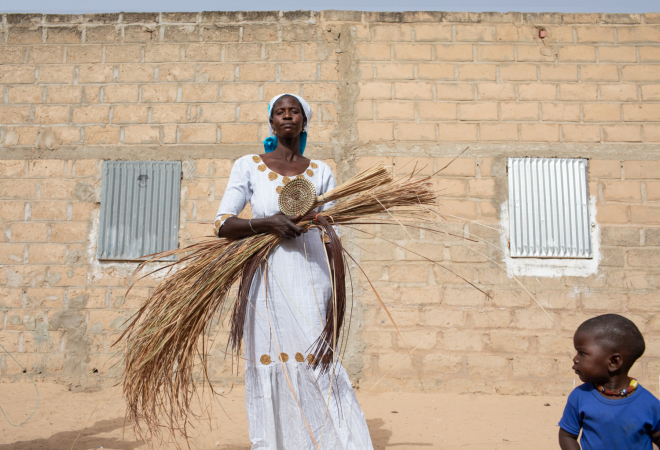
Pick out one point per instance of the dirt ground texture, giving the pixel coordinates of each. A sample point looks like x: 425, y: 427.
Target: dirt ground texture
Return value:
x: 396, y: 421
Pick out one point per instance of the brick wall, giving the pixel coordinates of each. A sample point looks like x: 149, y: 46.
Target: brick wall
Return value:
x: 394, y: 86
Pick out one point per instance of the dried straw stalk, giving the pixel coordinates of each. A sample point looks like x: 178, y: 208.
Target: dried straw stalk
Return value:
x: 167, y: 334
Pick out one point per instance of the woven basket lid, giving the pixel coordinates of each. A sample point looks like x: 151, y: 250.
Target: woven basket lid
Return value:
x: 297, y: 197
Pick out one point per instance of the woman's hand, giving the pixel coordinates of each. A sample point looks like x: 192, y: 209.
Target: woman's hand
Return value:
x: 280, y: 225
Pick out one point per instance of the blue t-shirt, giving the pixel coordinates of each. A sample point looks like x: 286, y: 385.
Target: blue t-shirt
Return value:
x: 611, y: 424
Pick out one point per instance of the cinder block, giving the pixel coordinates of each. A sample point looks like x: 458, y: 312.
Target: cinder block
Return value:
x: 453, y: 52
x: 621, y: 190
x: 561, y: 112
x: 641, y: 113
x: 612, y: 214
x: 595, y: 34
x: 580, y: 133
x: 489, y: 366
x: 582, y: 91
x: 601, y: 112
x: 518, y: 72
x: 29, y: 232
x: 538, y: 132
x: 46, y: 168
x: 76, y: 54
x: 370, y: 131
x: 92, y: 73
x: 235, y: 133
x: 141, y: 134
x: 477, y: 72
x: 432, y: 33
x: 495, y: 52
x: 558, y: 72
x: 413, y: 91
x: 537, y: 91
x: 478, y: 111
x: 515, y: 33
x: 619, y: 92
x: 495, y: 91
x: 454, y: 91
x: 622, y: 133
x: 639, y: 72
x: 638, y: 34
x: 535, y: 53
x: 93, y: 114
x: 122, y: 53
x: 577, y: 53
x: 373, y: 52
x: 519, y: 111
x: 266, y: 72
x: 474, y: 33
x: 160, y: 93
x: 25, y: 94
x: 532, y: 366
x: 101, y: 134
x: 436, y: 111
x: 463, y: 340
x: 498, y: 132
x: 64, y: 94
x: 395, y: 110
x: 600, y: 168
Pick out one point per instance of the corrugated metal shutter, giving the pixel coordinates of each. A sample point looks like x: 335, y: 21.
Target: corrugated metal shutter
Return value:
x: 549, y: 208
x: 139, y: 209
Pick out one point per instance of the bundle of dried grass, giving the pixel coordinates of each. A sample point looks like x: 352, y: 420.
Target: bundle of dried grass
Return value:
x: 167, y: 334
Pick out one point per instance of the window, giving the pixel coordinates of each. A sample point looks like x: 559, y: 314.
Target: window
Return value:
x: 139, y: 209
x: 549, y: 208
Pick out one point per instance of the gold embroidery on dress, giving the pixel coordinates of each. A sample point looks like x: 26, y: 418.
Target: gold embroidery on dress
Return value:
x: 262, y: 167
x: 284, y: 357
x: 225, y: 216
x: 326, y: 359
x: 285, y: 180
x: 310, y: 172
x: 300, y: 176
x: 314, y: 165
x: 311, y: 359
x: 256, y: 159
x: 279, y: 189
x: 300, y: 357
x: 265, y: 360
x: 272, y: 176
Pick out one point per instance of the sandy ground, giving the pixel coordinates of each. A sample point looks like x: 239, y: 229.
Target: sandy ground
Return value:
x: 396, y: 421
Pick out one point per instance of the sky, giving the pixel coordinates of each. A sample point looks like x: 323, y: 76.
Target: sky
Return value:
x: 97, y: 6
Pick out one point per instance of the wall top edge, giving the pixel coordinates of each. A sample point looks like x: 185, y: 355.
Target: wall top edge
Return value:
x: 9, y: 19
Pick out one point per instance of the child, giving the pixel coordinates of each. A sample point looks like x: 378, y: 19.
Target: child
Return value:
x: 612, y: 410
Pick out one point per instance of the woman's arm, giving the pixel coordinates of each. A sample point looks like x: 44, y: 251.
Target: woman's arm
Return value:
x: 279, y: 224
x: 568, y: 441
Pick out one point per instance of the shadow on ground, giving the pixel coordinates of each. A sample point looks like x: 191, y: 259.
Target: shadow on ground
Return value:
x: 88, y: 439
x: 380, y: 437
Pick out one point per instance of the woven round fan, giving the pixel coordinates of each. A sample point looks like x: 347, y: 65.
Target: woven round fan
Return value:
x: 297, y: 197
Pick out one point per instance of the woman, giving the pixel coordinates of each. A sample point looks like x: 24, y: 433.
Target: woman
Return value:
x: 290, y: 405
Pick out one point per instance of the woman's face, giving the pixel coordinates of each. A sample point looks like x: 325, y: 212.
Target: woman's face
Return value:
x: 287, y: 119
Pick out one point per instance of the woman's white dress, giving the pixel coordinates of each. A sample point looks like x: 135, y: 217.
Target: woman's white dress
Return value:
x: 284, y: 396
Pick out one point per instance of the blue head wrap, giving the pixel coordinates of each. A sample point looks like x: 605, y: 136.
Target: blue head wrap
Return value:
x: 270, y: 143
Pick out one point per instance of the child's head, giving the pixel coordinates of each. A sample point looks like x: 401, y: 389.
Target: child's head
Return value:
x: 606, y: 345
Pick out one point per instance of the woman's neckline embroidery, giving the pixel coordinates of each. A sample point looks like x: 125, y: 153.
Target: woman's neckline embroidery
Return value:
x: 272, y: 175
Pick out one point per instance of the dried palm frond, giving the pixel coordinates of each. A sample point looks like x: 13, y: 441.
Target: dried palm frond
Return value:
x: 167, y: 334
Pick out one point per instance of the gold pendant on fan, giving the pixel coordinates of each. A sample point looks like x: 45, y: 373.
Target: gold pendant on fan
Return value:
x: 297, y: 197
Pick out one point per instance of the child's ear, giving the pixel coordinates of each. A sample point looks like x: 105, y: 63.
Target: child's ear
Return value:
x: 615, y: 362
